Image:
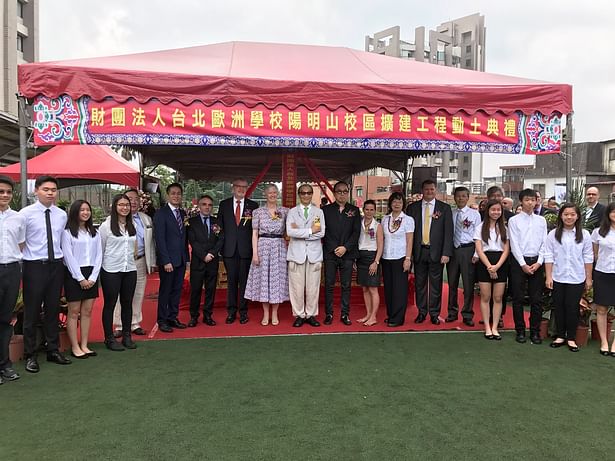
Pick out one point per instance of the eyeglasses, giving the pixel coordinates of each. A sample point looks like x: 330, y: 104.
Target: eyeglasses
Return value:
x: 343, y: 191
x: 305, y: 192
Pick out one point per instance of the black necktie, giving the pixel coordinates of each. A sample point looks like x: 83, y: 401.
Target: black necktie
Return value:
x: 50, y: 254
x: 206, y: 225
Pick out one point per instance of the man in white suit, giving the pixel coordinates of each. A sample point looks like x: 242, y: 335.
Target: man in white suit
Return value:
x: 145, y: 260
x: 305, y: 225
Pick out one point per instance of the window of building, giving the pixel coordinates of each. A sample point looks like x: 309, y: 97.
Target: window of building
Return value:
x: 381, y: 189
x: 19, y: 43
x: 359, y: 192
x: 453, y: 169
x: 468, y: 49
x: 466, y: 159
x: 611, y: 154
x: 468, y: 63
x: 465, y: 173
x: 20, y: 7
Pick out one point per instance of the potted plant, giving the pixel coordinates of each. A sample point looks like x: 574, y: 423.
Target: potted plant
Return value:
x: 585, y: 312
x: 16, y: 344
x: 547, y: 323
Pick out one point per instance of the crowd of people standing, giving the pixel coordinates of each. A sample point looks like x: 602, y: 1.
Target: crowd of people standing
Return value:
x: 273, y: 254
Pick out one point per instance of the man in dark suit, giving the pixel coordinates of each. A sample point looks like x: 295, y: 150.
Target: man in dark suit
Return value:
x: 595, y: 210
x: 206, y: 240
x: 341, y: 248
x: 432, y: 249
x: 235, y: 217
x: 172, y: 256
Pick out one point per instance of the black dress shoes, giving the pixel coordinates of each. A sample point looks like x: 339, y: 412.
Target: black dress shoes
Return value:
x: 32, y: 365
x: 345, y: 320
x: 165, y: 328
x: 535, y: 339
x: 468, y: 322
x: 113, y: 345
x: 243, y: 319
x: 138, y: 331
x: 177, y: 324
x: 57, y: 357
x: 9, y: 374
x: 520, y: 338
x: 394, y: 324
x: 209, y: 321
x: 298, y: 322
x: 328, y: 319
x: 192, y: 323
x: 312, y: 321
x: 497, y: 337
x: 92, y: 354
x: 420, y: 318
x: 451, y: 318
x: 127, y: 342
x: 230, y: 319
x: 435, y: 320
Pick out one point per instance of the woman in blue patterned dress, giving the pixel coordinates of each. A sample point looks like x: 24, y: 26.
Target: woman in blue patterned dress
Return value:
x: 268, y: 276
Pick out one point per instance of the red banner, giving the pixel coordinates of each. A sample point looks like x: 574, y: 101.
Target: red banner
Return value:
x: 289, y: 180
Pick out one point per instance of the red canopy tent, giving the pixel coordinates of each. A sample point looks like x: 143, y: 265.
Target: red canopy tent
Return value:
x: 217, y: 110
x: 76, y: 165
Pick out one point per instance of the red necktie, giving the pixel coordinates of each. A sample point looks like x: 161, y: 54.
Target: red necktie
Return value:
x: 238, y: 212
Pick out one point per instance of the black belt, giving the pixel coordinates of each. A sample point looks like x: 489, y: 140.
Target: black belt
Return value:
x: 9, y: 264
x: 44, y: 261
x: 139, y: 257
x: 530, y: 258
x: 272, y: 236
x: 427, y: 247
x: 466, y: 245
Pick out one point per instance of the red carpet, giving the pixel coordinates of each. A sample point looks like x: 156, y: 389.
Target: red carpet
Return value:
x: 254, y: 328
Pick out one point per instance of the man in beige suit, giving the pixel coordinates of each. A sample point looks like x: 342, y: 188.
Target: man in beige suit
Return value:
x: 305, y: 225
x: 145, y: 262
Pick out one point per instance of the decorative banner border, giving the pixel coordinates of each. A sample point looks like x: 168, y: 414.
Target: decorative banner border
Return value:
x: 64, y: 121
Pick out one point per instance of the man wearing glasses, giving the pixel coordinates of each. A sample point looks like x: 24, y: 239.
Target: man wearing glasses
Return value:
x: 341, y: 248
x: 305, y: 225
x: 235, y: 217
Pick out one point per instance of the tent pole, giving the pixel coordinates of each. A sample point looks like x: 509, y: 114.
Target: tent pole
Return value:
x: 569, y: 141
x: 23, y: 156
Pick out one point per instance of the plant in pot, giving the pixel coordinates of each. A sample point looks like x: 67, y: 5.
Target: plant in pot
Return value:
x: 16, y: 344
x: 547, y: 325
x: 585, y: 312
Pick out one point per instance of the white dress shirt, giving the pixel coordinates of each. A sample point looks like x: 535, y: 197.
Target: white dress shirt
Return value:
x: 606, y: 251
x: 495, y: 242
x: 395, y: 242
x: 465, y: 221
x: 82, y: 251
x: 569, y: 257
x: 365, y: 241
x: 527, y: 233
x: 36, y: 231
x: 12, y: 233
x: 118, y: 252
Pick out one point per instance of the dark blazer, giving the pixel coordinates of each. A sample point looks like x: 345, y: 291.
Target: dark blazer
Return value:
x: 236, y: 237
x: 440, y: 232
x: 204, y: 242
x: 341, y: 229
x: 595, y: 218
x: 171, y: 243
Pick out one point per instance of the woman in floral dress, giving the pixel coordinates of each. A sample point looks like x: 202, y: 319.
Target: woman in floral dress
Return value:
x: 268, y: 277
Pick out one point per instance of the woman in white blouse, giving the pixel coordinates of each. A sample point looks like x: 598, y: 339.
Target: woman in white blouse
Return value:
x: 568, y: 271
x: 492, y: 248
x: 398, y: 230
x: 368, y: 270
x: 82, y: 257
x: 119, y: 271
x: 603, y: 239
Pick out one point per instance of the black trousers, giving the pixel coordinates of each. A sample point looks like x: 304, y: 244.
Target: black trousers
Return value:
x: 207, y: 274
x: 237, y: 270
x: 428, y: 278
x: 460, y: 264
x: 345, y: 268
x: 566, y: 297
x: 169, y: 293
x: 116, y: 284
x: 42, y: 286
x: 535, y: 285
x: 10, y: 275
x: 395, y: 289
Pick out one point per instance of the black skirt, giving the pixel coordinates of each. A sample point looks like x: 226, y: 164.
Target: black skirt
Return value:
x: 482, y: 274
x: 604, y: 294
x: 363, y: 278
x: 73, y: 291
